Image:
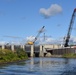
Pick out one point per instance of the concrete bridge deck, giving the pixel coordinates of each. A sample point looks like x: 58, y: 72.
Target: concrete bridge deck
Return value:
x: 41, y: 50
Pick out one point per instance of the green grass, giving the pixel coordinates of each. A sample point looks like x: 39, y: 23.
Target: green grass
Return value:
x: 70, y: 55
x: 9, y: 56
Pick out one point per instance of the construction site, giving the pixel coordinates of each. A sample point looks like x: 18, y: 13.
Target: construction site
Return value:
x: 44, y: 50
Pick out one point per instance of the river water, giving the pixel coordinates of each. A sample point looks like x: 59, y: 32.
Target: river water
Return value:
x: 40, y: 66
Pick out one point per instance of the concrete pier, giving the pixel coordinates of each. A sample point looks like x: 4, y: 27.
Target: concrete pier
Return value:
x: 3, y: 46
x: 41, y: 51
x: 12, y: 47
x: 23, y: 47
x: 32, y: 51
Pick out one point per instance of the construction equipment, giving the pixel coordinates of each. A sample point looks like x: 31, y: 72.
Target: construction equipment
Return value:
x: 39, y: 32
x: 70, y: 28
x: 45, y: 37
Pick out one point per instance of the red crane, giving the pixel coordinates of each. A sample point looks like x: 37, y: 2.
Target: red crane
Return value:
x: 70, y: 28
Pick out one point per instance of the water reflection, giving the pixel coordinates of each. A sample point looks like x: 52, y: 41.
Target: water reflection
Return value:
x: 40, y: 66
x: 60, y: 66
x: 69, y: 68
x: 32, y: 63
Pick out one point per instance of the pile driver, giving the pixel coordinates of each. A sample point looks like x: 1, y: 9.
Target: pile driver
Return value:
x: 70, y: 28
x: 40, y: 31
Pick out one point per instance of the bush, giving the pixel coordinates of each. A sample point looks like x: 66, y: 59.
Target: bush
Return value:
x: 21, y: 53
x: 70, y: 55
x: 9, y: 56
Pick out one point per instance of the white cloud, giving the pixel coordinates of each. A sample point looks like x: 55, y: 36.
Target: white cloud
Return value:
x: 2, y: 42
x: 51, y: 11
x: 41, y: 40
x: 30, y: 38
x: 46, y: 41
x: 50, y: 40
x: 73, y: 40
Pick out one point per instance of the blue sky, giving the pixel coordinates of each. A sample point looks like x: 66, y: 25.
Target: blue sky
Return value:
x: 22, y: 18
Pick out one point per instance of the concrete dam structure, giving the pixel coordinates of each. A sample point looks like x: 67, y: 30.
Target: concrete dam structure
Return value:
x: 41, y: 50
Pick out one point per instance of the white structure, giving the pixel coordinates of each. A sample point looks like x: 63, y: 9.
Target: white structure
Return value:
x: 41, y: 51
x: 32, y: 50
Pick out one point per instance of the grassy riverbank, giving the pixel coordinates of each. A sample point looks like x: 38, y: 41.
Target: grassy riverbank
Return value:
x: 9, y: 56
x: 70, y: 55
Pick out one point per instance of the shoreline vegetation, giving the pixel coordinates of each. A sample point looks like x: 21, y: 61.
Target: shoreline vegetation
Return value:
x: 8, y: 56
x: 69, y: 55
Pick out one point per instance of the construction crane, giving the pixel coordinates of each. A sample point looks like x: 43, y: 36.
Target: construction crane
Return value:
x: 39, y: 32
x: 70, y: 28
x: 45, y: 36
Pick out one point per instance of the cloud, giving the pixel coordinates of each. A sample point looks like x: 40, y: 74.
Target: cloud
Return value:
x: 30, y: 38
x: 40, y: 40
x: 54, y: 9
x: 3, y: 42
x: 50, y: 40
x: 46, y: 41
x: 72, y: 40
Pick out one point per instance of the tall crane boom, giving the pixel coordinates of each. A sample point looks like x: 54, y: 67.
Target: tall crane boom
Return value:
x: 70, y: 28
x: 40, y: 31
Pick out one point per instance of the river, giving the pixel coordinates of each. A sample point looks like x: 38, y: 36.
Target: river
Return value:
x: 40, y: 66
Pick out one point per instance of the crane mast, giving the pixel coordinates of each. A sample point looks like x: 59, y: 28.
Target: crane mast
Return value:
x: 70, y: 28
x: 40, y: 31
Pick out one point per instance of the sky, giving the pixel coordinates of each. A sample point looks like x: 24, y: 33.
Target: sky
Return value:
x: 23, y: 18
